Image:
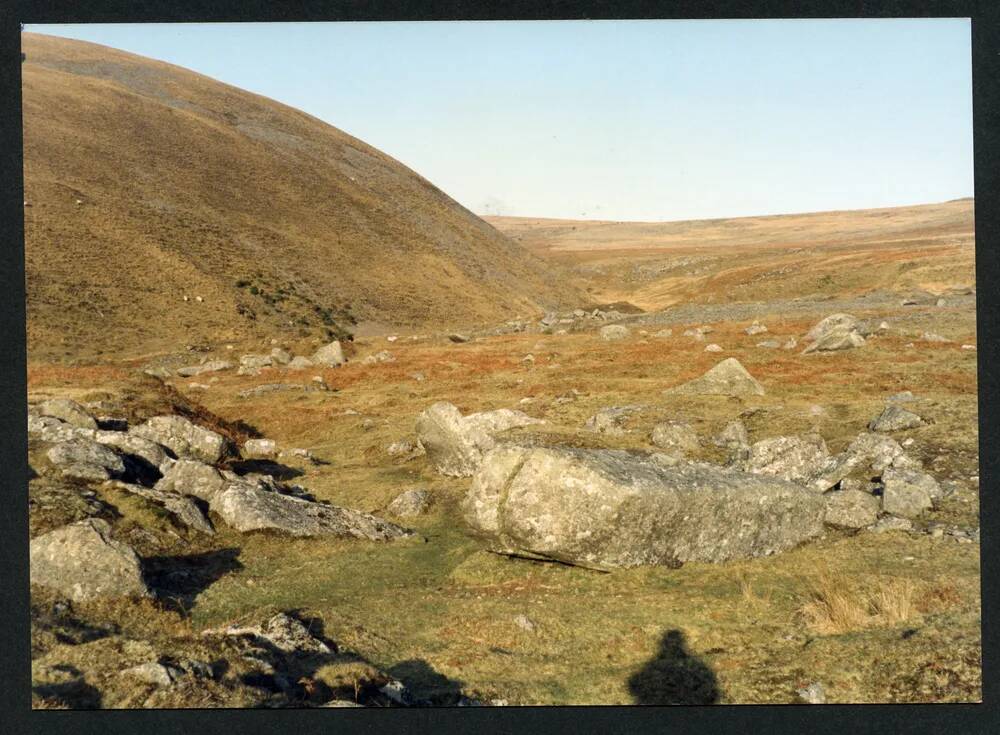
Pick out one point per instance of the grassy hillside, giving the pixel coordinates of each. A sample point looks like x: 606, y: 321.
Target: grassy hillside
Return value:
x: 146, y: 183
x: 847, y: 253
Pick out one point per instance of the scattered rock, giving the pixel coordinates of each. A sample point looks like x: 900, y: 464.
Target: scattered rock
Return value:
x: 882, y: 452
x: 791, y: 458
x: 183, y: 508
x: 410, y: 503
x: 281, y: 631
x: 184, y: 438
x: 606, y: 508
x: 968, y: 347
x: 190, y: 477
x: 812, y: 694
x: 834, y: 471
x: 834, y: 321
x: 908, y: 493
x: 850, y: 509
x: 931, y: 337
x: 458, y: 338
x: 381, y: 356
x: 770, y: 344
x: 790, y: 344
x: 755, y: 328
x: 611, y: 420
x: 728, y: 378
x: 902, y: 397
x: 212, y: 366
x: 83, y: 562
x: 835, y: 339
x: 614, y: 331
x: 247, y: 506
x: 664, y: 333
x: 735, y: 438
x: 68, y: 411
x: 713, y: 348
x: 300, y: 363
x: 329, y: 355
x: 86, y: 459
x: 525, y: 623
x: 894, y: 418
x: 678, y: 439
x: 255, y: 362
x: 280, y: 356
x: 892, y: 523
x: 260, y: 449
x: 154, y: 673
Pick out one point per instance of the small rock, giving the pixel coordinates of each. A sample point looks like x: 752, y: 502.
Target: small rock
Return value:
x: 329, y: 355
x: 260, y: 449
x: 850, y: 509
x: 69, y: 411
x: 932, y: 337
x: 676, y: 438
x: 892, y: 523
x: 378, y: 357
x: 154, y: 673
x: 410, y: 503
x: 525, y: 623
x: 458, y: 338
x: 908, y: 493
x: 812, y: 694
x: 613, y: 332
x: 894, y: 418
x: 755, y: 328
x: 713, y: 348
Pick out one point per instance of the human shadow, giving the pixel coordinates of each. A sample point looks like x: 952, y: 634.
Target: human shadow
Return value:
x: 74, y: 693
x: 178, y: 580
x: 674, y: 676
x: 427, y: 685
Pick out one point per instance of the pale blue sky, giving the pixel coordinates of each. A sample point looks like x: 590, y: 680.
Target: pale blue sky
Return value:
x: 642, y: 120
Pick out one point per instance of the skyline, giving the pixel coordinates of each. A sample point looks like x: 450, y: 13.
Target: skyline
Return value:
x: 620, y: 120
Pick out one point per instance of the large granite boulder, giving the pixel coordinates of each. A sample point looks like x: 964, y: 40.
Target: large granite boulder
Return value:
x: 728, y: 378
x: 82, y: 562
x: 609, y: 508
x: 455, y: 444
x: 184, y: 438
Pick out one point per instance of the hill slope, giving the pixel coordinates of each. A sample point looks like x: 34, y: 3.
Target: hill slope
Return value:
x: 146, y: 183
x: 654, y: 265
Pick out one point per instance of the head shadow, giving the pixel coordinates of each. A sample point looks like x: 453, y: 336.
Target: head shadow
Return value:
x: 674, y: 676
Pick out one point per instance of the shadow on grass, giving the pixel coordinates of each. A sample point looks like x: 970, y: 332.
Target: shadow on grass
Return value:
x: 72, y: 694
x: 178, y: 580
x: 674, y: 676
x: 426, y: 684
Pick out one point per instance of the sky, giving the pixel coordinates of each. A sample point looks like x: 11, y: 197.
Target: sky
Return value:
x: 620, y: 120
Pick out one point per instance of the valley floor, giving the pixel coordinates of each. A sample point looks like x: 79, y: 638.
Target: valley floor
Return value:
x: 871, y: 617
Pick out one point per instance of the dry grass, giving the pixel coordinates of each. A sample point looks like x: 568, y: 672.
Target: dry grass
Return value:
x: 839, y: 604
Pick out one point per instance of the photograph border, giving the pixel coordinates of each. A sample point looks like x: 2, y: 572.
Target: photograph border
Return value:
x: 15, y: 700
